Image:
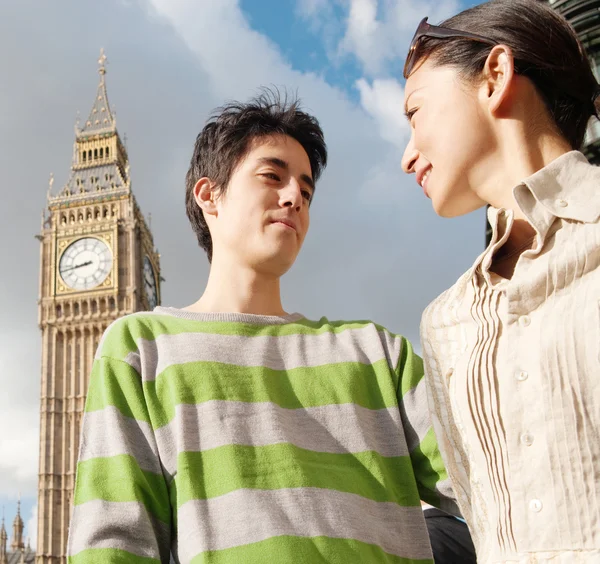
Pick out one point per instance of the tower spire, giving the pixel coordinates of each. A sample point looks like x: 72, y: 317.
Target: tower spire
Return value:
x: 101, y: 63
x: 101, y: 118
x: 18, y: 525
x: 3, y: 542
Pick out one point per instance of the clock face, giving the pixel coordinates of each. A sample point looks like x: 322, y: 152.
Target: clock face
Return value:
x: 85, y: 263
x: 150, y: 283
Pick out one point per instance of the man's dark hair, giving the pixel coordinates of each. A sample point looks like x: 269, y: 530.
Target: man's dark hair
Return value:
x: 226, y: 138
x: 546, y: 50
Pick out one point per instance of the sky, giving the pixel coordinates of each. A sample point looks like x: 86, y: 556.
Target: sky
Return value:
x: 375, y: 250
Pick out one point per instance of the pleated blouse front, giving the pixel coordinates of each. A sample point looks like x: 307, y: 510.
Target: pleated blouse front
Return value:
x: 513, y: 371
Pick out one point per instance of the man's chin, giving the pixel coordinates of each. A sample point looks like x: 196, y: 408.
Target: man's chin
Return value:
x: 276, y: 264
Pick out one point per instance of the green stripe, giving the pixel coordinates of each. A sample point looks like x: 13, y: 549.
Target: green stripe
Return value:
x: 371, y: 386
x: 303, y: 550
x: 410, y: 368
x: 116, y: 383
x: 122, y: 336
x: 428, y: 464
x: 119, y: 478
x: 112, y: 555
x: 224, y: 469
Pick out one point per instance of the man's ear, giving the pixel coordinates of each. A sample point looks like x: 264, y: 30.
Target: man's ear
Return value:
x: 205, y: 196
x: 499, y: 80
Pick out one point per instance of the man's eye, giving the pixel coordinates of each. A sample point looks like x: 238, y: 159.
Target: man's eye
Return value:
x: 271, y: 176
x: 306, y: 195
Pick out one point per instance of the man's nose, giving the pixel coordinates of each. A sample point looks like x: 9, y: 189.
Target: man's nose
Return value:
x: 291, y: 195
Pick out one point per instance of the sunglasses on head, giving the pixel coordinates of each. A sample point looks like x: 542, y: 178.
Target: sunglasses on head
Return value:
x: 437, y: 32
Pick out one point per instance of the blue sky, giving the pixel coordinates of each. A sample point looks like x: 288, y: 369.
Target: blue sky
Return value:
x: 308, y: 50
x: 375, y: 249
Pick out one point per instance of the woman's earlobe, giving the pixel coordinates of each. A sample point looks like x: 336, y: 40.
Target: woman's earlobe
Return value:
x: 499, y: 74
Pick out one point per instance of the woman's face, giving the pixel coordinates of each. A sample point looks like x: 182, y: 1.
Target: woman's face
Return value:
x: 451, y: 138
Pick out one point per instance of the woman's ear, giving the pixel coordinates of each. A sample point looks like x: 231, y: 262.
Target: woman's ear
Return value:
x: 205, y: 196
x: 499, y: 80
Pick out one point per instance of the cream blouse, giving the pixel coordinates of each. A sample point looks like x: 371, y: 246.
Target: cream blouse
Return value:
x: 513, y: 373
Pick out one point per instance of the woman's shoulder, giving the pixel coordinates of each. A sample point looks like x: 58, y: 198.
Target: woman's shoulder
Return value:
x: 447, y: 302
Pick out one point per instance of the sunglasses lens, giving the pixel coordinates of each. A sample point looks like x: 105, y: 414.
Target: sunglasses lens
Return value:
x: 410, y: 58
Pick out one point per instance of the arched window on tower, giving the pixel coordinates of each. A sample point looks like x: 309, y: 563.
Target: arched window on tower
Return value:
x: 95, y: 154
x: 107, y: 152
x: 84, y: 155
x: 101, y: 152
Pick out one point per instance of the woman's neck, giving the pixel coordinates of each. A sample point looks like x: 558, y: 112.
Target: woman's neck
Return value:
x: 525, y: 142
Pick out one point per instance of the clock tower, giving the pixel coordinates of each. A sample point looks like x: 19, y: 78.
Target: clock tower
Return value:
x: 98, y: 263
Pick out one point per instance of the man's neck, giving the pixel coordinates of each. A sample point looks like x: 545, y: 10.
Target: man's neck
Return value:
x: 235, y: 289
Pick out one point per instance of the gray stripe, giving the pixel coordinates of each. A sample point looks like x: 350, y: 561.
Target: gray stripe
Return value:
x: 133, y: 359
x: 329, y: 428
x: 124, y: 525
x: 393, y: 347
x: 247, y: 516
x: 365, y: 345
x: 110, y: 433
x: 416, y: 418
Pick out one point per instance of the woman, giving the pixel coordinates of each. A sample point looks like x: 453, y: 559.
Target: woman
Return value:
x: 498, y: 99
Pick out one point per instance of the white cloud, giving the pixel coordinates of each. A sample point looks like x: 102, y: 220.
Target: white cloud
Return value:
x: 313, y: 8
x: 31, y: 527
x: 384, y: 102
x: 378, y: 32
x: 19, y: 414
x: 363, y: 34
x: 19, y: 447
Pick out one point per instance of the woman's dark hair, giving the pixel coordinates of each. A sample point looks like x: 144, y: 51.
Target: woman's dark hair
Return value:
x: 226, y: 139
x: 545, y: 48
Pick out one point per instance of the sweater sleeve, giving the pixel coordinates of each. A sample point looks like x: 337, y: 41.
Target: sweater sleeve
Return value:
x: 121, y: 507
x: 432, y: 480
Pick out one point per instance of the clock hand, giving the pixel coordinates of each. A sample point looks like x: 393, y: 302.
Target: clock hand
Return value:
x: 76, y: 266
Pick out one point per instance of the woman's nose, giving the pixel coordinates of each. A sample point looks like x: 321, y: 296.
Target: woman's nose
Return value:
x: 409, y: 159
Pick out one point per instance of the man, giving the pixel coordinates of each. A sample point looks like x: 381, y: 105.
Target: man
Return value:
x: 230, y: 431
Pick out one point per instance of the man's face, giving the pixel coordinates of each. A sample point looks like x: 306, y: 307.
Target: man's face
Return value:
x: 263, y: 217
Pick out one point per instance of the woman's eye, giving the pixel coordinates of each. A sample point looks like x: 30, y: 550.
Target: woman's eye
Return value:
x: 410, y: 114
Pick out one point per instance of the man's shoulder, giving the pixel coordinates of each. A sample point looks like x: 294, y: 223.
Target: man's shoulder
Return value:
x: 368, y: 338
x: 122, y: 336
x: 341, y: 325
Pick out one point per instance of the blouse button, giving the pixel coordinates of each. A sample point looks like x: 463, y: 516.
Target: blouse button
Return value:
x: 535, y: 505
x: 524, y: 321
x: 527, y: 439
x: 521, y: 376
x: 562, y: 203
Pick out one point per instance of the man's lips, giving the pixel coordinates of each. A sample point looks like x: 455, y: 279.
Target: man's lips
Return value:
x: 286, y: 222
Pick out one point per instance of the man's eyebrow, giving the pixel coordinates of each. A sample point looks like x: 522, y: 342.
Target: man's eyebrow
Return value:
x: 280, y: 163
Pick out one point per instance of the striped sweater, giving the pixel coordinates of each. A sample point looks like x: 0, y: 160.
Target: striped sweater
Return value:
x: 235, y: 438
